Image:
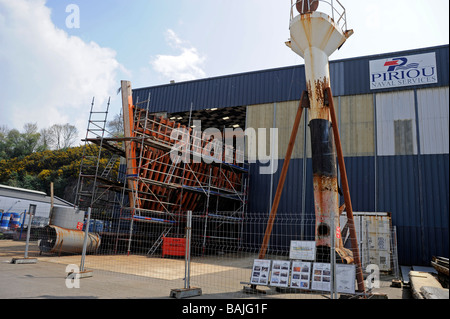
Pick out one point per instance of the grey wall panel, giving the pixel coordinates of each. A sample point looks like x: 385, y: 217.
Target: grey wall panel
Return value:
x: 356, y: 125
x: 260, y: 116
x: 391, y: 108
x: 433, y: 113
x: 285, y: 117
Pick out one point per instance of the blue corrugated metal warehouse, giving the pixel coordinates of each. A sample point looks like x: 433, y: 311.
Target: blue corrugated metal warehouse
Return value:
x: 394, y: 126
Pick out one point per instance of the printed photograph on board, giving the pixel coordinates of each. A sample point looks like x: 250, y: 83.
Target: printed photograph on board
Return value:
x: 300, y: 276
x: 260, y: 272
x: 280, y: 273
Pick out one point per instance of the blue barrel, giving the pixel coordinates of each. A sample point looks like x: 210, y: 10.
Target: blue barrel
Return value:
x: 99, y: 226
x: 107, y: 226
x: 92, y: 226
x: 4, y: 224
x: 95, y: 226
x: 14, y: 222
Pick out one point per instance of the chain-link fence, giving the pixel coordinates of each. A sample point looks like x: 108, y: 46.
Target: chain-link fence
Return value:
x: 222, y: 256
x: 171, y: 205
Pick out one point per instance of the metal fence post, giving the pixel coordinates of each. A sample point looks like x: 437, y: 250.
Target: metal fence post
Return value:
x: 83, y: 272
x: 333, y: 259
x: 22, y: 224
x: 187, y: 292
x: 26, y: 260
x: 187, y: 256
x: 32, y: 211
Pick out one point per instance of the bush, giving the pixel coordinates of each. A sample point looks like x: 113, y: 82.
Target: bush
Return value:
x: 38, y: 170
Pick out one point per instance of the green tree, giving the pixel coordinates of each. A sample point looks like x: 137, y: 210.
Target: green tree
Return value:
x: 3, y: 134
x: 14, y: 144
x: 30, y: 138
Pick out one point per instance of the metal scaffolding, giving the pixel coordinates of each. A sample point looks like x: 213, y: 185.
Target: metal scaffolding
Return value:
x: 96, y: 175
x: 161, y: 184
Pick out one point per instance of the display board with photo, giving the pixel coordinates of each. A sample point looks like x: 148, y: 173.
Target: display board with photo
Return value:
x: 301, y: 274
x: 321, y: 277
x: 260, y: 272
x: 302, y: 250
x: 345, y: 278
x: 280, y: 273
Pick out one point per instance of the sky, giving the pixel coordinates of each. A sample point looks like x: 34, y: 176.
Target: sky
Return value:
x: 57, y: 55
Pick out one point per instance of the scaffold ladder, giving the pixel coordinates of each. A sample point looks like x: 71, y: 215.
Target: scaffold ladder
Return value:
x: 90, y: 160
x: 159, y: 241
x: 112, y: 161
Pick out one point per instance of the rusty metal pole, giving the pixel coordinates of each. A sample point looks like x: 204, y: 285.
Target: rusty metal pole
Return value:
x: 345, y: 190
x: 276, y: 201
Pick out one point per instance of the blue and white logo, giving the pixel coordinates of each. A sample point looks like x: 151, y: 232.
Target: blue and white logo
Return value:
x: 403, y: 71
x: 400, y: 64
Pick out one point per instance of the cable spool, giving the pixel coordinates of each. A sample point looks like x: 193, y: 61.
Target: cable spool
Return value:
x: 307, y: 6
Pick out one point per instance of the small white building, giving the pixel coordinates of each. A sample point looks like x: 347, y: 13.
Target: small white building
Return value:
x: 18, y: 200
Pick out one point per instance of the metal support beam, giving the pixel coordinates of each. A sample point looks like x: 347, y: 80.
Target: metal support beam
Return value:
x: 304, y: 103
x: 328, y: 100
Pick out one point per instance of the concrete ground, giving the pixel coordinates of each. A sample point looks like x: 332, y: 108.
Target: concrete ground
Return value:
x: 139, y: 277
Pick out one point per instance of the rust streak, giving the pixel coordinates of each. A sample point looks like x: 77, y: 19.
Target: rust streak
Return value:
x: 318, y: 111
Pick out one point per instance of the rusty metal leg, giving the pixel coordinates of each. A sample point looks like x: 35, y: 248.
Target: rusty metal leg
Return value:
x: 273, y: 213
x: 346, y: 191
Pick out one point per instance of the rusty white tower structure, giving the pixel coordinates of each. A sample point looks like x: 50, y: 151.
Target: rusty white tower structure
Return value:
x: 318, y: 29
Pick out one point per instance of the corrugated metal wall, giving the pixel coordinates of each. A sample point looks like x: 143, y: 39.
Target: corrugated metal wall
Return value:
x: 356, y: 124
x: 433, y: 111
x: 396, y: 121
x: 228, y: 91
x: 395, y: 143
x: 348, y: 77
x: 259, y: 116
x: 284, y: 122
